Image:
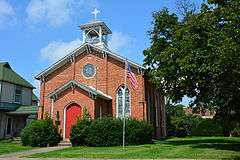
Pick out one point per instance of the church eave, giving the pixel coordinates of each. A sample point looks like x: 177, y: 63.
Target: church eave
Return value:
x: 59, y: 63
x: 79, y: 50
x: 72, y: 84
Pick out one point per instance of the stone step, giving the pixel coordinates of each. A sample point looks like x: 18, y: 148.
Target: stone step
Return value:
x: 65, y: 143
x: 16, y: 139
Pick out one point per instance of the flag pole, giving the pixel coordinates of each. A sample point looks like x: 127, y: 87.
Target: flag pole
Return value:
x: 124, y: 104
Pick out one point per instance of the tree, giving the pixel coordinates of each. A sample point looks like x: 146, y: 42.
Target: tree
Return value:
x: 198, y: 57
x: 179, y: 123
x: 184, y: 7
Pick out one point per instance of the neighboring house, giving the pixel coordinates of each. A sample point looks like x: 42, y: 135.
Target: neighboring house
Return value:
x: 204, y: 113
x: 18, y: 104
x: 93, y: 77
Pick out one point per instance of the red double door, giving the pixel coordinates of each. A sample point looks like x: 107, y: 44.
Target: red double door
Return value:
x: 73, y: 112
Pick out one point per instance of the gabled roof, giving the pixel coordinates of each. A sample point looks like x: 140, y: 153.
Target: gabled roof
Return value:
x: 34, y: 97
x: 25, y: 110
x: 80, y: 50
x: 73, y: 83
x: 4, y: 106
x: 12, y: 108
x: 8, y: 75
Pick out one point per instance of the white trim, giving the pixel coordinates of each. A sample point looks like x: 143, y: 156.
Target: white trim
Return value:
x: 100, y: 112
x: 64, y: 116
x: 64, y: 122
x: 77, y: 51
x: 52, y: 101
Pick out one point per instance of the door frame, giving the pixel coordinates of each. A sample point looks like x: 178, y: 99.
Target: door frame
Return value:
x: 65, y: 117
x: 6, y: 134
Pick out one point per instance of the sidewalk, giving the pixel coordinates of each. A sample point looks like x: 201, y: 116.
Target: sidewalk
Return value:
x: 18, y: 155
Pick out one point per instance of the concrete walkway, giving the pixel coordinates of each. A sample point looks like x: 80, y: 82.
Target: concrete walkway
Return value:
x: 18, y: 155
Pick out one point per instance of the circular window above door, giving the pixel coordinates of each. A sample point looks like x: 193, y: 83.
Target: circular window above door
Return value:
x: 89, y: 70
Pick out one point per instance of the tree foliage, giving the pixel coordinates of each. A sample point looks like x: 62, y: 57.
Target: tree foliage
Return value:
x: 179, y: 123
x: 199, y: 56
x: 40, y: 133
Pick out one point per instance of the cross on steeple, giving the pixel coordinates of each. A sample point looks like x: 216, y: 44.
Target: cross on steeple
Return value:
x: 95, y: 12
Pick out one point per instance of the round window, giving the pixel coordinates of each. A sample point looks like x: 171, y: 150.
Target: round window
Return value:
x: 89, y: 70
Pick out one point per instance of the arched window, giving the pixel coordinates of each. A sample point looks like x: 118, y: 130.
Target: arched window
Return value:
x: 120, y: 99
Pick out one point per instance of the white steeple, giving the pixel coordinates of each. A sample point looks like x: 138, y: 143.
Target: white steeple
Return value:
x: 96, y: 32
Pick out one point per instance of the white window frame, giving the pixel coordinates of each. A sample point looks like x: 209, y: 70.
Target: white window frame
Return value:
x: 121, y: 87
x: 18, y: 94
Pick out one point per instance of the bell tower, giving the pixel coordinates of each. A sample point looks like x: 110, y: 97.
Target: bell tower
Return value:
x: 96, y: 32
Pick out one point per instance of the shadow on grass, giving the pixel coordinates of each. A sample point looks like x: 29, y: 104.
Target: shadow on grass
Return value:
x: 232, y: 158
x: 218, y: 144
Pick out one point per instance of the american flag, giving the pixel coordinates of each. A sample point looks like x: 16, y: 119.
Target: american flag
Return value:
x: 132, y: 77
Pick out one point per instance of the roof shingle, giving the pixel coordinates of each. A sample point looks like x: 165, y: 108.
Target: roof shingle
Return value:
x: 8, y: 75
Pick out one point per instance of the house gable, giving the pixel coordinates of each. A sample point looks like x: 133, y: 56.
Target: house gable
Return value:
x: 10, y: 76
x: 88, y: 48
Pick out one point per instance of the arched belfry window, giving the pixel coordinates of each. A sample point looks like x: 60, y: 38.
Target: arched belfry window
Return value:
x: 120, y: 99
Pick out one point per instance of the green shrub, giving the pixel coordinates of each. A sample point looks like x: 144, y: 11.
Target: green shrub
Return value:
x: 40, y: 133
x: 79, y: 132
x: 178, y: 123
x: 105, y: 132
x: 208, y: 127
x: 138, y: 132
x: 108, y: 132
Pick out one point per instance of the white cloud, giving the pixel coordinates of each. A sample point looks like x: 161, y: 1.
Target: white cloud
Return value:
x: 55, y: 12
x: 6, y: 12
x: 58, y: 49
x: 119, y: 41
x: 36, y: 83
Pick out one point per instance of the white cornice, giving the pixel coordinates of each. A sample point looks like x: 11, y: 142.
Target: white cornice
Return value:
x: 80, y: 50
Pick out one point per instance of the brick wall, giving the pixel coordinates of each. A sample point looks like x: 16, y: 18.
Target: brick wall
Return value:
x: 109, y: 77
x: 155, y: 109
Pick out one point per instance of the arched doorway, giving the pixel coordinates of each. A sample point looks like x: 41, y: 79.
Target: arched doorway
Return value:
x: 73, y: 112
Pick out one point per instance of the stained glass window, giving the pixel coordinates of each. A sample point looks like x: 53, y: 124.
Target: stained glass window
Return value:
x: 120, y: 102
x: 89, y: 70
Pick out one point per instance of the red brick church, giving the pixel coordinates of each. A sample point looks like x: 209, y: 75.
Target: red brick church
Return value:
x: 93, y: 77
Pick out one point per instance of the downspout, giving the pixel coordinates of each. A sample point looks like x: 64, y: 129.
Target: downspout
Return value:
x: 43, y: 95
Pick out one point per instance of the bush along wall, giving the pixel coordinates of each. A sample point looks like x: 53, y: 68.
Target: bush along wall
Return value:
x: 40, y: 133
x: 208, y: 127
x: 108, y: 132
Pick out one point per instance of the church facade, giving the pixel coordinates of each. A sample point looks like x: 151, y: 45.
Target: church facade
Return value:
x: 93, y: 77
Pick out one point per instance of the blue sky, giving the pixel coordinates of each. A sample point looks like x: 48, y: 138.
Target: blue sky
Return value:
x: 35, y: 33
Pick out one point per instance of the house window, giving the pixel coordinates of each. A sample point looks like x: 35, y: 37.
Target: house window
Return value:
x: 120, y: 100
x: 18, y: 94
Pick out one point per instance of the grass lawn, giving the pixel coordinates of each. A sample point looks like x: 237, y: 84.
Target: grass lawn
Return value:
x: 191, y: 147
x: 9, y: 146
